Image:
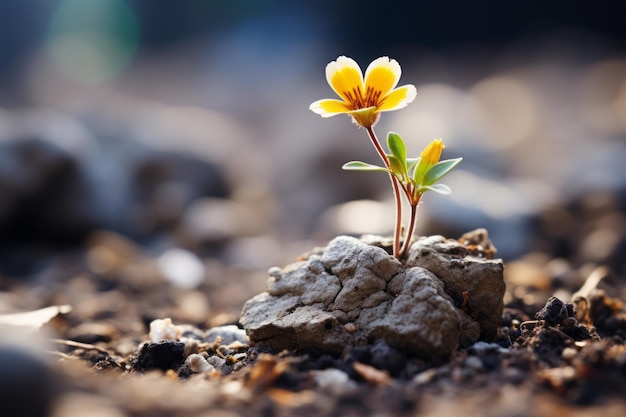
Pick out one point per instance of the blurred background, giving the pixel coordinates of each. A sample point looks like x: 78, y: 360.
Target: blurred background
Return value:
x: 183, y: 128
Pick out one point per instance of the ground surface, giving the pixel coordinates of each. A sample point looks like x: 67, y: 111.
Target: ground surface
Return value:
x: 549, y: 358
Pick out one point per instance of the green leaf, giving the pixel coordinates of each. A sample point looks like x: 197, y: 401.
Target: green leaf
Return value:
x: 397, y: 147
x: 397, y: 167
x: 419, y: 172
x: 362, y: 166
x: 437, y: 171
x: 411, y: 163
x: 438, y: 188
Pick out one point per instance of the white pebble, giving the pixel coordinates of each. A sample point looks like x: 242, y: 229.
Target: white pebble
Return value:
x: 181, y: 268
x: 163, y: 329
x: 332, y: 380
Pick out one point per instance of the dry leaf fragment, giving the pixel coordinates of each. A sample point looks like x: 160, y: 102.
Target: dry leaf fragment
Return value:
x: 31, y: 320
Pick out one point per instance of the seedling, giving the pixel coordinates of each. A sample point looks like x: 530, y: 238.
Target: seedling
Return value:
x: 364, y: 98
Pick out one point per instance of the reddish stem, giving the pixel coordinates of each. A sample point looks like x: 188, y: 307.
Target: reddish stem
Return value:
x: 396, y: 192
x: 409, y: 234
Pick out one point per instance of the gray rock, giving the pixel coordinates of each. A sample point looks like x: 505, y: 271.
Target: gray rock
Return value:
x: 463, y: 270
x: 445, y: 295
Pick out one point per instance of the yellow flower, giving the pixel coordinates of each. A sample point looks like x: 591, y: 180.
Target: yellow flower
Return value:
x: 364, y: 97
x: 432, y: 153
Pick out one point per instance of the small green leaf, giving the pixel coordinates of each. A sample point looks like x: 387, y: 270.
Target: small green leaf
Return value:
x: 411, y: 163
x: 437, y: 171
x: 397, y: 167
x: 362, y: 166
x: 397, y: 147
x: 419, y: 172
x: 438, y: 188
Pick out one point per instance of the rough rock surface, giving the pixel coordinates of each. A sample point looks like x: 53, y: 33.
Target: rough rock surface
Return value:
x: 445, y: 295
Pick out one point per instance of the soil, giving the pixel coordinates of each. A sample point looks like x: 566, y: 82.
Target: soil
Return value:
x: 559, y: 350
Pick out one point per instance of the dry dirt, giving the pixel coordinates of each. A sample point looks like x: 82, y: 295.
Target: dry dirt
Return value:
x: 549, y: 357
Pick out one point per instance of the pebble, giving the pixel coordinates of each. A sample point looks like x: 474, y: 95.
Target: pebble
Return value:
x: 197, y: 363
x: 164, y: 329
x: 474, y: 363
x: 481, y: 347
x: 229, y: 334
x: 350, y: 327
x: 181, y: 268
x: 332, y: 379
x: 569, y: 353
x: 163, y: 355
x: 425, y: 377
x: 216, y: 362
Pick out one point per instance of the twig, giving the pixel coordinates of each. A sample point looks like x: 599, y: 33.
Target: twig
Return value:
x: 80, y: 345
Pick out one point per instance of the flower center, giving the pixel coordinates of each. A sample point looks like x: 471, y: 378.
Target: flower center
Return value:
x: 356, y: 99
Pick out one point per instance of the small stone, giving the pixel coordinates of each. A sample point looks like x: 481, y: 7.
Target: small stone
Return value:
x: 569, y: 353
x: 229, y: 334
x: 333, y: 380
x: 216, y: 362
x: 181, y: 268
x: 198, y: 364
x: 164, y: 329
x: 474, y: 363
x: 554, y: 312
x: 350, y: 327
x: 163, y: 355
x: 425, y: 377
x: 482, y: 348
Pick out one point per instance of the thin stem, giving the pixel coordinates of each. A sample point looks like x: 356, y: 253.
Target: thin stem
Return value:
x: 396, y: 192
x: 409, y: 234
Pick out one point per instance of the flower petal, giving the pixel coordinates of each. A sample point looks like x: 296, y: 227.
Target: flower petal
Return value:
x: 345, y: 77
x: 382, y: 75
x: 329, y: 107
x: 398, y: 98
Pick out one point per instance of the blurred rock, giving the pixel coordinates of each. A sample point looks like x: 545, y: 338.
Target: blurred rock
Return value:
x: 210, y: 220
x: 229, y: 334
x: 163, y: 184
x: 60, y: 180
x: 181, y: 268
x: 26, y: 383
x: 44, y: 194
x: 308, y: 304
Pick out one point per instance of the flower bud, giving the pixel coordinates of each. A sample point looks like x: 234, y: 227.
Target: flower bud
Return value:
x: 432, y: 153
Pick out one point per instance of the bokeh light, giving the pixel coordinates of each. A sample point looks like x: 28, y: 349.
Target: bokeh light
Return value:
x: 92, y: 41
